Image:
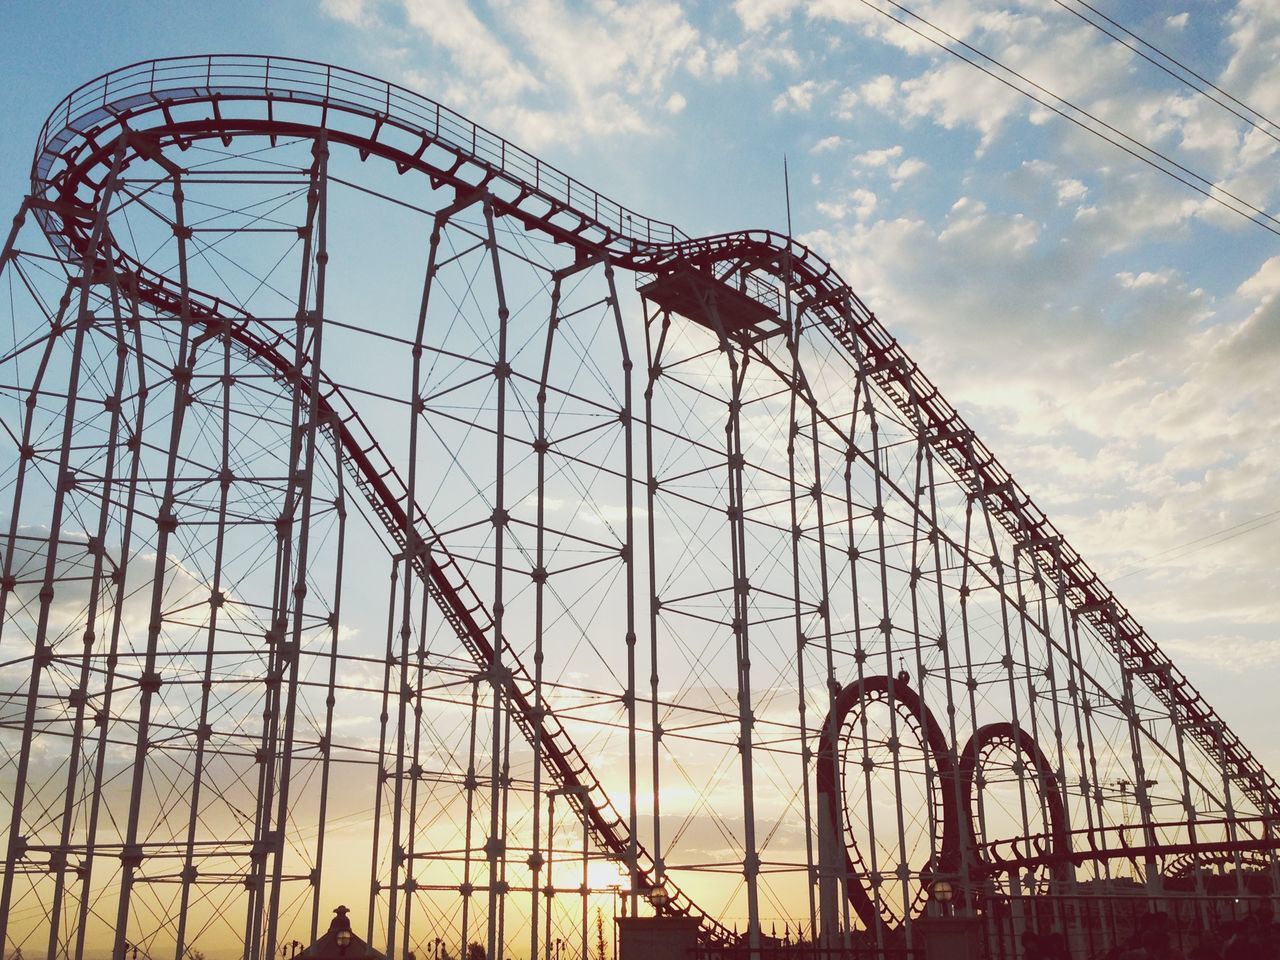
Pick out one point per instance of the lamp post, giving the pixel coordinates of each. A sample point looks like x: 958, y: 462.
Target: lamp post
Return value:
x: 956, y: 938
x: 943, y: 893
x: 658, y: 898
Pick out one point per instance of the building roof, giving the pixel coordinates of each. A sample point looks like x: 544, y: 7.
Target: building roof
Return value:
x: 329, y: 947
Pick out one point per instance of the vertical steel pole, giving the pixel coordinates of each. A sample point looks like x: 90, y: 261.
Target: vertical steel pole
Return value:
x: 1106, y: 908
x: 541, y: 445
x: 383, y: 774
x: 289, y: 591
x: 26, y: 456
x: 959, y: 801
x: 79, y: 696
x: 550, y: 890
x: 414, y: 552
x: 915, y: 575
x: 861, y: 391
x: 305, y: 443
x: 878, y: 515
x: 1008, y: 662
x: 742, y: 642
x: 416, y: 773
x: 335, y: 620
x: 495, y: 845
x: 467, y: 887
x: 203, y: 732
x: 167, y: 522
x: 628, y: 560
x: 654, y: 354
x: 120, y: 577
x: 795, y: 386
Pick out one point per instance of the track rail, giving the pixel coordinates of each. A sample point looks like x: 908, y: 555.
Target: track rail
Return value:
x: 165, y: 103
x: 1112, y: 842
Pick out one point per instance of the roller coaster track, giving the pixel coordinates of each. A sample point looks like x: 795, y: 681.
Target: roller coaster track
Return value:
x: 1128, y: 842
x: 162, y: 104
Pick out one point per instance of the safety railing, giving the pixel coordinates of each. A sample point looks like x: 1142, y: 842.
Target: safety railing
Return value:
x: 303, y: 81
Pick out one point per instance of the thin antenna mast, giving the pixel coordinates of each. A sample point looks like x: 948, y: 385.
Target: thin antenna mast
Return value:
x: 786, y: 186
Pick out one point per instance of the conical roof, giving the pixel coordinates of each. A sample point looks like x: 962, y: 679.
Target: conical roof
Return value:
x: 340, y: 943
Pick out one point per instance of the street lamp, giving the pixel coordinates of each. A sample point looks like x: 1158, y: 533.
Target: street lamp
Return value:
x: 943, y: 892
x: 658, y: 897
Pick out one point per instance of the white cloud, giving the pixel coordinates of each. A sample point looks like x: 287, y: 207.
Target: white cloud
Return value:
x: 879, y: 92
x: 676, y: 103
x: 544, y: 69
x: 1070, y: 189
x: 725, y: 63
x: 906, y: 169
x: 1265, y: 282
x: 455, y: 27
x: 864, y: 203
x: 826, y: 144
x: 860, y: 203
x: 799, y: 97
x: 1147, y: 278
x: 757, y: 14
x: 1178, y: 21
x: 877, y: 158
x: 350, y: 11
x: 1235, y: 653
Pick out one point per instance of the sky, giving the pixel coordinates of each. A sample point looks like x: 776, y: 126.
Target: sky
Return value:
x: 1111, y: 334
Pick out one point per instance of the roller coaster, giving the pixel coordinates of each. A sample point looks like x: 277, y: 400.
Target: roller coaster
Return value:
x: 727, y: 477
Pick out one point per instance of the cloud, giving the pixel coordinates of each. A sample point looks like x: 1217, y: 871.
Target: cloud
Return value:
x: 758, y: 14
x: 1264, y: 283
x: 878, y: 92
x: 349, y: 11
x: 725, y: 63
x: 1134, y: 407
x: 544, y: 69
x: 1071, y: 189
x: 1146, y: 278
x: 476, y: 50
x: 877, y: 158
x: 859, y: 203
x: 906, y: 169
x: 799, y: 97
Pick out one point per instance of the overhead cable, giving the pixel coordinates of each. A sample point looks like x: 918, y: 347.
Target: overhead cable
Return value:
x: 1180, y: 77
x: 1130, y: 145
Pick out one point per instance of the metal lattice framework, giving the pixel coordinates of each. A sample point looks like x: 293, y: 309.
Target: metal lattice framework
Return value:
x: 361, y: 518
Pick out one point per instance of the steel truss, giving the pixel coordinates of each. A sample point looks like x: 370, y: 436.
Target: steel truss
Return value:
x: 872, y: 662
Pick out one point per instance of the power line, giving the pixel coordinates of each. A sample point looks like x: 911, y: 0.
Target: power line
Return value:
x: 1178, y: 63
x: 1143, y: 152
x: 1235, y: 530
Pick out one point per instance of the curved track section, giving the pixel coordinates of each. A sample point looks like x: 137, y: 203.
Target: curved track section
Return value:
x: 831, y: 760
x: 1031, y: 764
